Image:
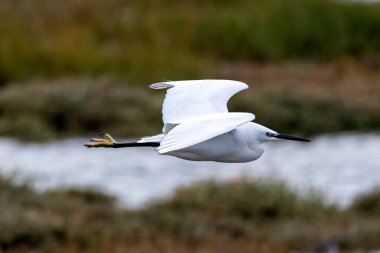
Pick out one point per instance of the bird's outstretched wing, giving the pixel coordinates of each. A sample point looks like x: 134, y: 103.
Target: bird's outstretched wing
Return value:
x: 201, y: 128
x: 187, y: 99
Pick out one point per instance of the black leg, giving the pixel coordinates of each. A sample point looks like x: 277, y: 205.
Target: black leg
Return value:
x: 133, y: 144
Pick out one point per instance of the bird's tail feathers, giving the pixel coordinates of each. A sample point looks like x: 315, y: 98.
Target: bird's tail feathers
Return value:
x: 156, y: 138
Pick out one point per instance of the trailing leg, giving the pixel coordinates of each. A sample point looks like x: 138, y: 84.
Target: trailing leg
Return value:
x: 106, y: 141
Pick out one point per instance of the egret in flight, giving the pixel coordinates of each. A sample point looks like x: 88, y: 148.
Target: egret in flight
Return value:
x: 199, y: 127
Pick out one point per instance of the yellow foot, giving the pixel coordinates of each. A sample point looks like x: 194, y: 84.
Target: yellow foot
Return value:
x: 105, y: 141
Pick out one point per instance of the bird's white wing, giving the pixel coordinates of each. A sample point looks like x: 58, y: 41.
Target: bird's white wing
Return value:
x: 186, y: 99
x: 198, y: 129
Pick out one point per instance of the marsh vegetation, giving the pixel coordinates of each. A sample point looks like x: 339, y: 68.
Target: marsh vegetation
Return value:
x: 146, y: 41
x: 299, y: 98
x: 78, y: 67
x: 243, y: 215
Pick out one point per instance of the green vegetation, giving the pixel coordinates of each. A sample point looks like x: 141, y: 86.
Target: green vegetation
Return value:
x: 73, y: 67
x: 54, y: 219
x: 145, y: 41
x: 259, y: 216
x: 44, y: 110
x: 49, y: 110
x: 368, y: 203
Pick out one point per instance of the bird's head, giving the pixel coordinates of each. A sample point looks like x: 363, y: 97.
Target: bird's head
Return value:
x: 264, y: 134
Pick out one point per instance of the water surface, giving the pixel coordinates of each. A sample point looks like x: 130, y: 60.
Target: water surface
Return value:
x: 340, y: 165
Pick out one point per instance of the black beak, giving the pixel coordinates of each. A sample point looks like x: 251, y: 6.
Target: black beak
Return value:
x: 289, y: 137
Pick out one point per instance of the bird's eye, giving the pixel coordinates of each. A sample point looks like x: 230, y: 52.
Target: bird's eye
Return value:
x: 269, y: 134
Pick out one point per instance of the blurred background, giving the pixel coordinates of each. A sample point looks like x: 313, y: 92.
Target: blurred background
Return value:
x: 76, y: 68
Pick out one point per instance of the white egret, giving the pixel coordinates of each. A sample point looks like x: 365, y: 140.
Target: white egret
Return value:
x: 198, y: 126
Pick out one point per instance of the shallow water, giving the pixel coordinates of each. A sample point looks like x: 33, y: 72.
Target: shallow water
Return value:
x: 341, y: 166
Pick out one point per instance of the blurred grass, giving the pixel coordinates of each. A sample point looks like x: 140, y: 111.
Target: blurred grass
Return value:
x: 73, y: 67
x: 146, y: 41
x: 45, y: 111
x: 368, y: 203
x: 308, y: 99
x: 242, y: 215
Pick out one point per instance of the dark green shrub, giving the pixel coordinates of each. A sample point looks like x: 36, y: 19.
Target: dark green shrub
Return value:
x: 367, y: 203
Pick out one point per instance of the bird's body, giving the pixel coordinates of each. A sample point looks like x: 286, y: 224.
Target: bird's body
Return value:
x: 198, y: 126
x: 231, y: 147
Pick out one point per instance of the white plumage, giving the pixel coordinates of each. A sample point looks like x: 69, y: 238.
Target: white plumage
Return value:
x: 194, y: 130
x: 187, y: 99
x: 198, y: 126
